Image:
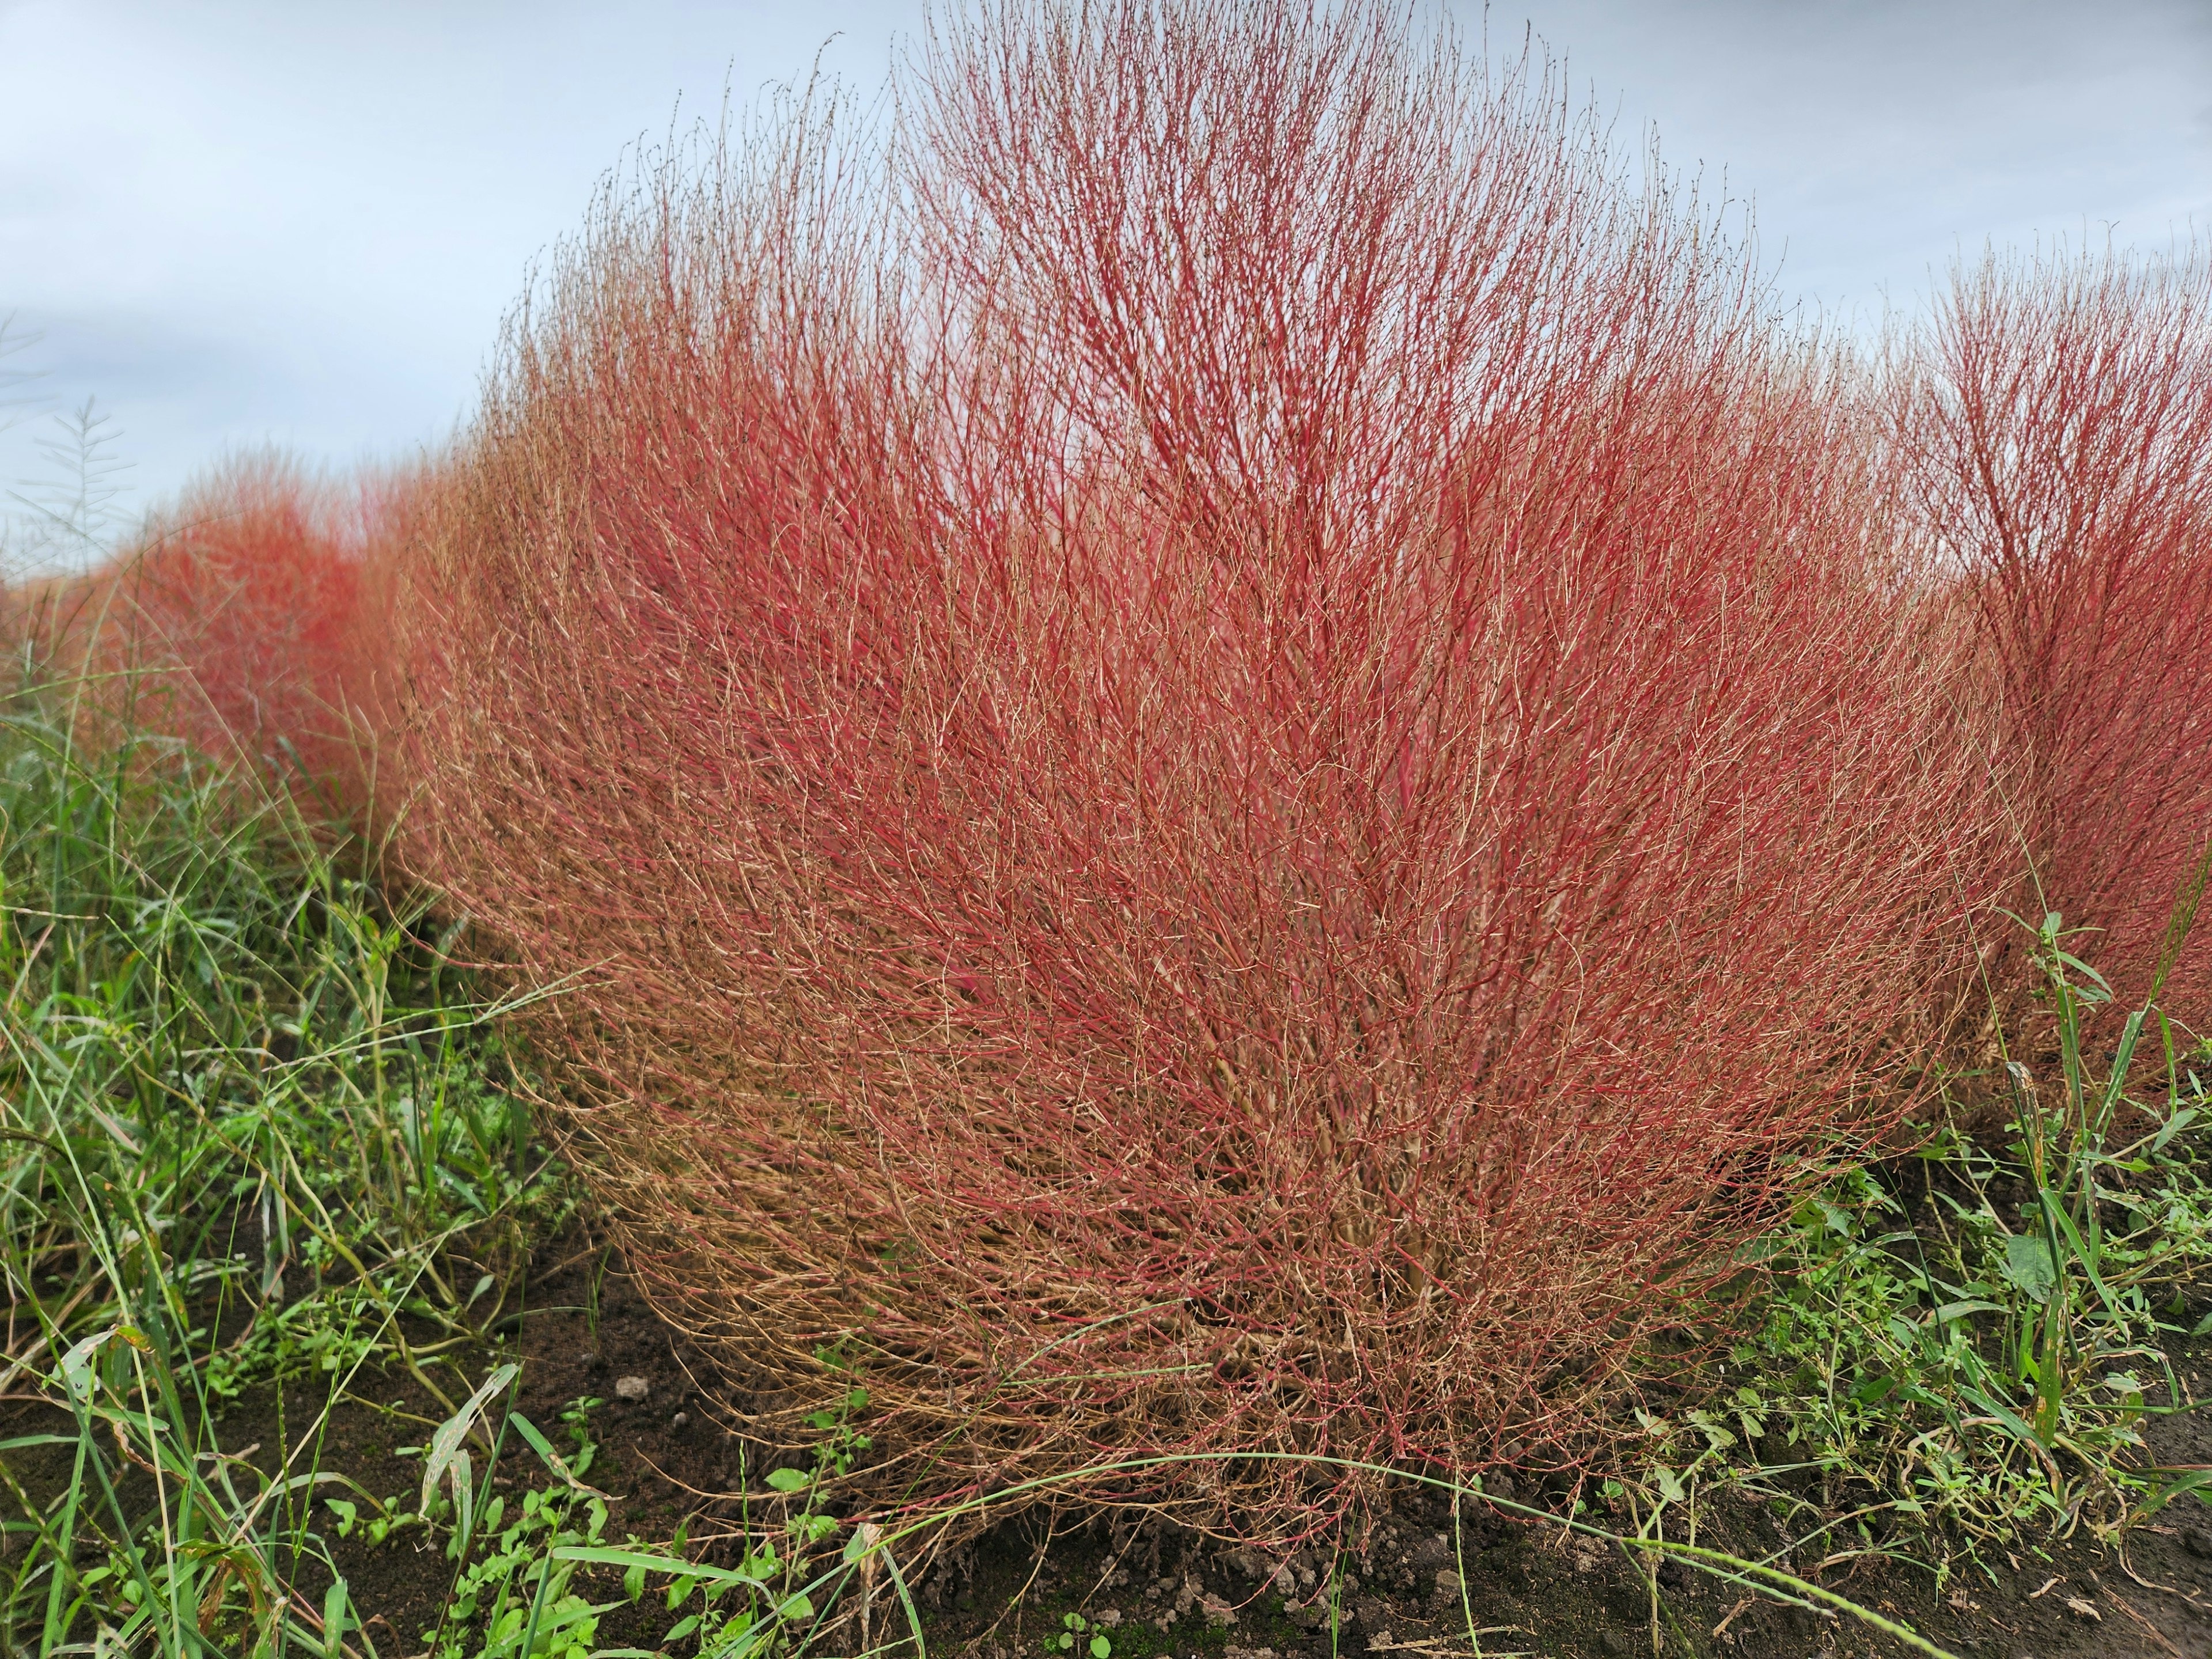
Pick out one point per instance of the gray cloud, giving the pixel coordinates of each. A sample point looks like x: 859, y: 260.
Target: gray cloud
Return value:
x: 1881, y: 137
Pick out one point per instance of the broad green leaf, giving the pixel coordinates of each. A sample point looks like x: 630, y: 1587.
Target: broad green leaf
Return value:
x: 2027, y: 1265
x: 1951, y: 1310
x: 335, y: 1619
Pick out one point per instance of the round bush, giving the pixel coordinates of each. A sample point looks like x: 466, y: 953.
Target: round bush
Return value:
x: 1214, y: 744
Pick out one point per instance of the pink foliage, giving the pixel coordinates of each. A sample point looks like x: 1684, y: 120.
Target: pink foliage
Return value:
x: 243, y: 621
x: 2061, y: 434
x: 1227, y: 743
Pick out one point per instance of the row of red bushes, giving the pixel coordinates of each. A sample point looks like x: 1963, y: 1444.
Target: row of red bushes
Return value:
x: 1232, y: 753
x: 250, y: 619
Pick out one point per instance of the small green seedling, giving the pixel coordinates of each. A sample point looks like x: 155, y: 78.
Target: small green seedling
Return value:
x: 1073, y: 1627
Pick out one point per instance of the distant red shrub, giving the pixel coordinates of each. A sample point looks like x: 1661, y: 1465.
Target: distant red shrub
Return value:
x: 1227, y: 749
x: 243, y: 620
x: 2060, y: 433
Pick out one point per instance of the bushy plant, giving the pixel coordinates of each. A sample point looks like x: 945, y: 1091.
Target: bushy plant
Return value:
x: 242, y: 620
x: 1224, y: 745
x: 2058, y: 432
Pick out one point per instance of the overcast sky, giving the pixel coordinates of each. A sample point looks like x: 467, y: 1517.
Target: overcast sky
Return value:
x: 234, y: 224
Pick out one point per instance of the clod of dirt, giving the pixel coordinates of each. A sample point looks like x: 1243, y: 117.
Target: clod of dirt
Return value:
x: 1250, y: 1563
x: 632, y: 1390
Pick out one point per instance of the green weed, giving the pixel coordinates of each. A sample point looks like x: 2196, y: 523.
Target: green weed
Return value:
x: 250, y: 1131
x: 1973, y: 1365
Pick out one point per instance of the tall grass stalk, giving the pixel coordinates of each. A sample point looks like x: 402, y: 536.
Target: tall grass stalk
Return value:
x: 249, y: 1133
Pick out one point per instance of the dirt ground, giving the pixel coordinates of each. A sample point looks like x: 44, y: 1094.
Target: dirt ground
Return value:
x: 1533, y: 1590
x: 1157, y: 1594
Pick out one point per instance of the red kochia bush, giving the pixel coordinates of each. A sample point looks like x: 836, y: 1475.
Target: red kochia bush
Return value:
x: 2060, y: 426
x: 243, y: 620
x: 1219, y: 741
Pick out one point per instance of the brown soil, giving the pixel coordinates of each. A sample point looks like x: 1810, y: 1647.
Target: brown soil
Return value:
x: 660, y: 1458
x: 1157, y: 1593
x: 1533, y: 1590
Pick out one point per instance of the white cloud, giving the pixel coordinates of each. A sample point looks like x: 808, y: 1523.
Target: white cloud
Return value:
x: 1881, y: 137
x: 239, y: 224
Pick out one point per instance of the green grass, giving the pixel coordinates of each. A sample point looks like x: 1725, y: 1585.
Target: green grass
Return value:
x: 252, y: 1133
x: 1960, y: 1351
x: 258, y: 1142
x: 255, y: 1143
